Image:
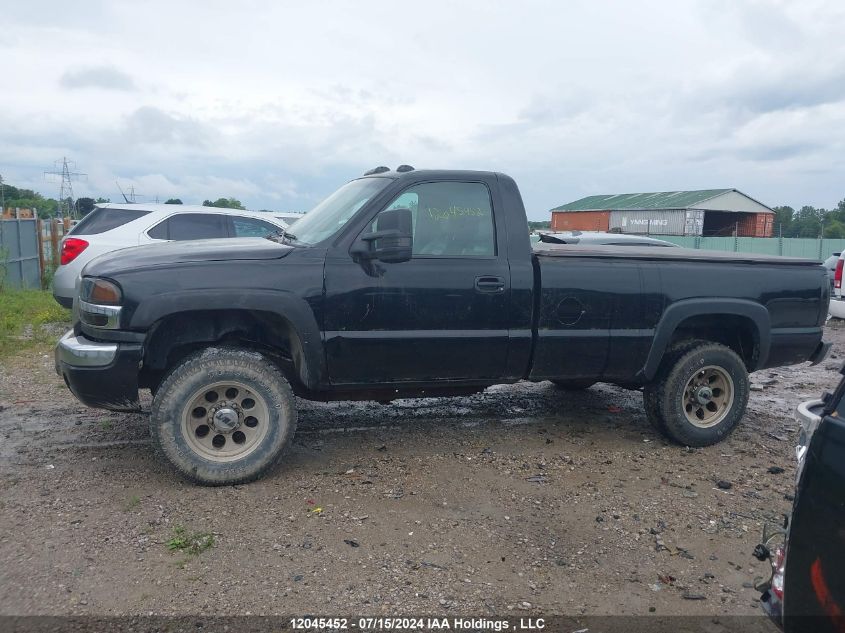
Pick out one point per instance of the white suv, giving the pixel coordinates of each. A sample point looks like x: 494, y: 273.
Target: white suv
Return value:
x: 110, y: 227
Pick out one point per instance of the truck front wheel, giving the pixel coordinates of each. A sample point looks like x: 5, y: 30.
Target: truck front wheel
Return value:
x: 699, y: 394
x: 223, y: 416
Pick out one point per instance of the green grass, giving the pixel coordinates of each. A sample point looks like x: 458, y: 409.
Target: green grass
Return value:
x: 189, y: 543
x: 131, y: 503
x: 20, y: 309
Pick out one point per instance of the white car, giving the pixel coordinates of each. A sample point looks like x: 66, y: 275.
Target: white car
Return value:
x: 598, y: 238
x: 837, y: 301
x: 830, y: 264
x: 110, y: 227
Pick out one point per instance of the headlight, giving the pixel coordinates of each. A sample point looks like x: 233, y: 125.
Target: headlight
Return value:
x: 100, y: 291
x: 99, y: 303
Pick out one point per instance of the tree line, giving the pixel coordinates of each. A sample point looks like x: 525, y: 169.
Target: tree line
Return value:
x: 810, y: 221
x: 50, y: 207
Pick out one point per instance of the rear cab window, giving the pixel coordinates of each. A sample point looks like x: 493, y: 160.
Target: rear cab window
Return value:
x: 103, y: 219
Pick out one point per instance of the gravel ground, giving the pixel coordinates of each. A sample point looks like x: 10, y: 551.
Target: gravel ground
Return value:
x: 520, y: 500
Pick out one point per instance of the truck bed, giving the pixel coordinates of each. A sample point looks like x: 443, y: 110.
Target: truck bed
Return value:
x: 662, y: 254
x: 598, y: 314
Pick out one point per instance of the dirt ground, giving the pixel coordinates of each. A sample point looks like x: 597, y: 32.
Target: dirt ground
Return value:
x: 520, y: 500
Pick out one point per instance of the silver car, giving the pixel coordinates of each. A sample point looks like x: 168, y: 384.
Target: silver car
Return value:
x: 597, y: 238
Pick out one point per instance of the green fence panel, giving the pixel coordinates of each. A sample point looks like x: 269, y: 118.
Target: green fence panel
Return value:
x: 807, y: 248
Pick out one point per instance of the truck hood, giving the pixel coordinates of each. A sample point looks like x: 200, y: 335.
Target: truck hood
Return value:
x: 230, y: 249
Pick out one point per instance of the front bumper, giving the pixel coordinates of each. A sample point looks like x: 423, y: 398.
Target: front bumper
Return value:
x: 102, y: 375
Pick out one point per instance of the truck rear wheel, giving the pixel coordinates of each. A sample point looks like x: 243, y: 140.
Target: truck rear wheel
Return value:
x: 699, y: 394
x: 223, y: 416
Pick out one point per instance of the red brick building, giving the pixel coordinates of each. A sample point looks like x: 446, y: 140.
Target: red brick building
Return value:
x: 708, y: 212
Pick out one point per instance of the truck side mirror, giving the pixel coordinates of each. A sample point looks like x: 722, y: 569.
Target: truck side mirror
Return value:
x: 392, y: 241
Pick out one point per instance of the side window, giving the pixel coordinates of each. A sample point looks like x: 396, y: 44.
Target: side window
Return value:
x: 450, y: 219
x: 159, y: 231
x: 190, y: 226
x: 251, y: 227
x: 406, y: 200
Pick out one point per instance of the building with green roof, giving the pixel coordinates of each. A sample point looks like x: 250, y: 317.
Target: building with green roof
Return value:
x: 700, y: 212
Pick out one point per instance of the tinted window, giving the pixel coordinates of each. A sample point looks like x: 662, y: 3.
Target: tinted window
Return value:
x: 159, y: 231
x: 450, y: 219
x: 190, y: 226
x: 408, y: 200
x: 250, y: 227
x: 102, y: 220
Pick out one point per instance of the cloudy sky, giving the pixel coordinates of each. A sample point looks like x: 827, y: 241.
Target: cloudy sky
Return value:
x: 276, y: 103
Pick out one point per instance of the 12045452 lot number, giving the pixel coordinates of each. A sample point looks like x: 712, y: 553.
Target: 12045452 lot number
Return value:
x: 363, y: 624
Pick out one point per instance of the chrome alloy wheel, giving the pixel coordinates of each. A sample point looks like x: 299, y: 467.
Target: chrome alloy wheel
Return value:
x: 225, y: 421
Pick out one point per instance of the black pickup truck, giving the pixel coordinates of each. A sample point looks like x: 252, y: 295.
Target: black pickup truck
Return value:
x: 414, y: 283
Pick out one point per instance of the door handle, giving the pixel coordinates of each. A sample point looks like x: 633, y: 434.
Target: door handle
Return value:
x: 488, y: 283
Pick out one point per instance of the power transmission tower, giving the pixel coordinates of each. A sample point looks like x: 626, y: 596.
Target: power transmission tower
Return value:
x: 67, y: 174
x: 132, y: 193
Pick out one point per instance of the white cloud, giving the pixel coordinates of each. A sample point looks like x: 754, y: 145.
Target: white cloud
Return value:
x: 279, y: 102
x: 102, y: 77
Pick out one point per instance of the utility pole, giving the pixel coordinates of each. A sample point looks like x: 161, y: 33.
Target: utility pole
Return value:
x: 64, y: 169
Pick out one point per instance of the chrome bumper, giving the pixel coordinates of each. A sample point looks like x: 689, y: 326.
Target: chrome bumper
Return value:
x: 106, y: 317
x: 78, y: 351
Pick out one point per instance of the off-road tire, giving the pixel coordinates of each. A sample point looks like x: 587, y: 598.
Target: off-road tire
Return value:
x: 573, y: 385
x: 664, y: 397
x: 215, y: 366
x: 651, y: 402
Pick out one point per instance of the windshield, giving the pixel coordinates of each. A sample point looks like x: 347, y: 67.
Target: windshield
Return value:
x: 332, y: 213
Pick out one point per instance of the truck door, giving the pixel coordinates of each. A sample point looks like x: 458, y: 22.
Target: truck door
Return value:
x: 443, y: 315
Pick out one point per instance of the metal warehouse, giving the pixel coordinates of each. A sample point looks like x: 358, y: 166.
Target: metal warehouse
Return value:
x: 705, y: 212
